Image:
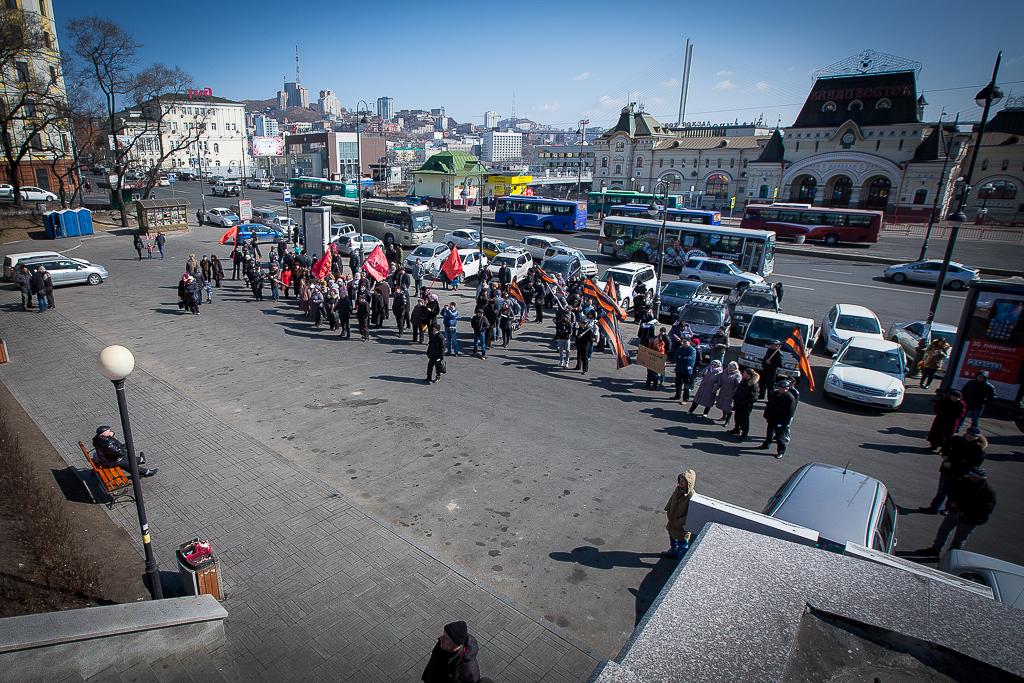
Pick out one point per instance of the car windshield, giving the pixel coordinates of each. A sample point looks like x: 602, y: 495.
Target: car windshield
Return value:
x: 500, y: 246
x: 625, y: 279
x: 756, y: 300
x: 764, y: 329
x: 858, y: 323
x: 733, y: 269
x: 680, y: 289
x: 701, y: 316
x: 871, y: 359
x: 426, y: 251
x: 422, y: 223
x: 500, y: 261
x: 561, y: 268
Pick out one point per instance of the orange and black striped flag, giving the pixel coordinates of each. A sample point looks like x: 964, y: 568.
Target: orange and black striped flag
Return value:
x: 547, y: 279
x: 794, y: 343
x: 518, y: 296
x: 610, y: 328
x: 603, y: 300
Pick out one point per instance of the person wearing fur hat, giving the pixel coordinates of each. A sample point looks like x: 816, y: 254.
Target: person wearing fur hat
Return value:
x: 453, y: 657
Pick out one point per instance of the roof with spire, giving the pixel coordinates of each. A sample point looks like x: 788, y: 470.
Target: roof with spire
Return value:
x: 452, y: 163
x: 775, y: 150
x: 635, y: 122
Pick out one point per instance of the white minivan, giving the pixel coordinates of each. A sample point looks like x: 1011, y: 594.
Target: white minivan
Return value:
x: 768, y: 326
x: 11, y: 260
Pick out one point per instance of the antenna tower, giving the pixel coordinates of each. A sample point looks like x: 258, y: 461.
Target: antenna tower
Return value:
x: 297, y: 79
x: 513, y: 108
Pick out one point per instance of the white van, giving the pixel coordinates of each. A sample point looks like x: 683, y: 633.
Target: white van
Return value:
x: 11, y: 260
x: 766, y: 326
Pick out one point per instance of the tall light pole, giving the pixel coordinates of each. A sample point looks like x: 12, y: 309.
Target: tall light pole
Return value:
x: 582, y: 132
x: 116, y: 363
x: 987, y: 187
x: 360, y: 120
x: 986, y: 97
x: 652, y: 211
x: 465, y: 196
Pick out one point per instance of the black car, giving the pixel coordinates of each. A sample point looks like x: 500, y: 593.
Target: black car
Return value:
x: 677, y: 293
x: 564, y: 265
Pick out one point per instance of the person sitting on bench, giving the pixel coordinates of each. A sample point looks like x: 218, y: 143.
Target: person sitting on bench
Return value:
x: 111, y: 453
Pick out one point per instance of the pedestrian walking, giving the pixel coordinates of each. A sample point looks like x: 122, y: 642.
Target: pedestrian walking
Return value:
x: 344, y: 314
x: 418, y: 319
x: 48, y: 288
x: 400, y: 307
x: 563, y: 333
x: 480, y: 331
x: 236, y: 259
x: 39, y: 287
x: 726, y: 384
x: 743, y: 403
x: 505, y: 323
x: 971, y: 502
x: 453, y: 659
x: 685, y: 358
x: 950, y: 411
x: 206, y: 268
x: 779, y: 291
x: 138, y: 243
x: 934, y: 355
x: 363, y: 317
x: 960, y: 454
x: 193, y: 295
x: 161, y: 240
x: 435, y: 354
x: 639, y: 301
x: 770, y: 364
x: 586, y: 328
x: 217, y: 271
x: 256, y: 281
x: 417, y: 273
x: 316, y: 303
x: 656, y: 344
x: 676, y: 508
x: 149, y: 250
x: 23, y: 279
x: 707, y: 390
x: 450, y: 315
x: 275, y: 283
x: 977, y: 394
x: 778, y: 414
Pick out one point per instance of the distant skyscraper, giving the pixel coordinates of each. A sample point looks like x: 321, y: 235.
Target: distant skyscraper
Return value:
x: 437, y: 112
x: 490, y: 119
x: 294, y: 96
x: 266, y: 126
x: 385, y: 108
x: 329, y: 103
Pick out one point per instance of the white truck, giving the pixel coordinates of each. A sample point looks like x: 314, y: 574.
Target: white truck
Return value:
x: 766, y: 326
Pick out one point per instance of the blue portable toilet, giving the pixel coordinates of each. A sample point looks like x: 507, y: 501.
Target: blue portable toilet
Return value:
x: 70, y: 220
x: 84, y: 221
x: 53, y: 225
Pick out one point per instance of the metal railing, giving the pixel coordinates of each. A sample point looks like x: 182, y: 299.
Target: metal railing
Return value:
x: 972, y: 232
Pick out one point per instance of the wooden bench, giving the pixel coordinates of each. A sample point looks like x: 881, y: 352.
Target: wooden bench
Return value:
x: 113, y: 479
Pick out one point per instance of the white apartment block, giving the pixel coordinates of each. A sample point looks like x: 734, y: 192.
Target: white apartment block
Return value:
x: 329, y: 103
x: 266, y: 126
x: 502, y: 146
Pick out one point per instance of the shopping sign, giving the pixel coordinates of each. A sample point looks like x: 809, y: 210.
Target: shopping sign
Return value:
x: 286, y: 194
x: 245, y: 209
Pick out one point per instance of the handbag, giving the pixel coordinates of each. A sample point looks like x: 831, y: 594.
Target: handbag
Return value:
x: 443, y: 367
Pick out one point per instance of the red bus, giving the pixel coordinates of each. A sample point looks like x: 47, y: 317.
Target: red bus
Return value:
x: 830, y: 226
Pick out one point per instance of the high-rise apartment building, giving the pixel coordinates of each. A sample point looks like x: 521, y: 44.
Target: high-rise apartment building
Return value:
x: 329, y: 103
x: 385, y: 108
x: 294, y: 96
x: 499, y: 146
x: 266, y: 126
x: 490, y: 119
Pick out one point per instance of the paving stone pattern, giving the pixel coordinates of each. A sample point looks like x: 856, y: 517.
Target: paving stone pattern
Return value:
x: 316, y: 587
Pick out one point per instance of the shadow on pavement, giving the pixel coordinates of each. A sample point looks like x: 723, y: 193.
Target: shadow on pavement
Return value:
x: 890, y: 448
x: 589, y: 556
x: 71, y: 487
x: 652, y: 584
x: 403, y: 380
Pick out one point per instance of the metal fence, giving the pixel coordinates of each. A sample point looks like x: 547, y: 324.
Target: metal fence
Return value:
x: 971, y: 232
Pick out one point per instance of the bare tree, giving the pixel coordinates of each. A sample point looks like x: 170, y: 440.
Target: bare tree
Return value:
x: 79, y: 127
x: 31, y: 97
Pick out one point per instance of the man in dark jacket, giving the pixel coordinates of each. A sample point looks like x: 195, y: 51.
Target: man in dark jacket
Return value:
x: 639, y: 301
x: 770, y: 364
x: 435, y: 353
x: 504, y: 275
x: 686, y: 361
x: 24, y: 281
x: 971, y: 501
x: 778, y: 413
x: 977, y: 394
x: 112, y: 453
x: 400, y: 307
x: 480, y: 326
x: 236, y: 259
x: 743, y: 403
x: 453, y: 659
x: 960, y: 454
x: 39, y: 287
x: 344, y: 313
x: 363, y: 316
x: 647, y: 330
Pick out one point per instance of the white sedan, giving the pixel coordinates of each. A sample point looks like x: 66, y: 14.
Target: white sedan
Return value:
x: 36, y: 194
x: 848, y: 320
x: 361, y: 243
x: 868, y: 371
x: 163, y: 182
x: 225, y: 218
x: 6, y: 190
x: 471, y: 264
x: 462, y: 238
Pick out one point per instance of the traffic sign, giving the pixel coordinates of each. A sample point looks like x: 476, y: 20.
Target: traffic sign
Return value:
x: 286, y: 194
x: 171, y: 177
x: 732, y: 204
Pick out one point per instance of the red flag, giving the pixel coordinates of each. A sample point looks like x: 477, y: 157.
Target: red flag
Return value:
x: 376, y: 264
x: 229, y: 235
x: 452, y: 265
x: 794, y: 343
x: 323, y: 266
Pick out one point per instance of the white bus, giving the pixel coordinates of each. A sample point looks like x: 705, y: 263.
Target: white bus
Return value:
x: 391, y: 222
x: 636, y: 239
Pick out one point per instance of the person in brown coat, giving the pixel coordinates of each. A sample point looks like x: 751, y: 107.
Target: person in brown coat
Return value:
x: 676, y: 509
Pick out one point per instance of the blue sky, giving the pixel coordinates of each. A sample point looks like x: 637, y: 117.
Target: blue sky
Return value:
x: 570, y: 60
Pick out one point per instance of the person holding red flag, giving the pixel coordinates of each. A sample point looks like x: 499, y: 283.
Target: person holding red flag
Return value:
x: 322, y: 267
x: 376, y: 264
x: 452, y: 266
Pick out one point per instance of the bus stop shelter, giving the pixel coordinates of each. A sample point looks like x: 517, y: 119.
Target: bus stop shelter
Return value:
x: 162, y: 214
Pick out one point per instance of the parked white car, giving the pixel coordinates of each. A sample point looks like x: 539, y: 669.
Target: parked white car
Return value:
x: 431, y: 255
x: 519, y: 261
x: 908, y: 335
x: 626, y: 277
x: 471, y: 264
x: 538, y: 244
x: 356, y: 242
x: 225, y: 218
x: 462, y: 238
x: 6, y: 191
x: 848, y: 320
x: 716, y: 272
x: 1006, y: 580
x: 339, y: 230
x: 36, y: 194
x: 868, y: 371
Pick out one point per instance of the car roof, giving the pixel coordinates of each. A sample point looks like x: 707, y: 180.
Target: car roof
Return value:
x: 558, y: 258
x: 838, y: 503
x: 783, y: 316
x: 873, y: 343
x: 631, y: 267
x: 855, y: 309
x: 433, y: 245
x: 708, y: 258
x: 30, y: 254
x: 512, y: 254
x: 936, y: 327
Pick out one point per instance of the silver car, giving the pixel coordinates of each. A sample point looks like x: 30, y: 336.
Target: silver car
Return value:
x: 69, y: 271
x: 1006, y: 580
x: 958, y: 276
x: 908, y: 336
x: 717, y: 273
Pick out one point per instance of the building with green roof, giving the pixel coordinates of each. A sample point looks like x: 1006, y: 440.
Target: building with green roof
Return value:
x: 441, y: 179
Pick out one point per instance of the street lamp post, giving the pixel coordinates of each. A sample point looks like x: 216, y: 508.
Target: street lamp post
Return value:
x: 582, y: 132
x: 465, y: 196
x: 986, y: 97
x: 987, y: 187
x: 652, y: 211
x: 116, y: 363
x: 360, y: 120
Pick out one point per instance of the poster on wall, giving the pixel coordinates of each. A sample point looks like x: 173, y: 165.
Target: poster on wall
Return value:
x: 263, y: 146
x: 994, y: 341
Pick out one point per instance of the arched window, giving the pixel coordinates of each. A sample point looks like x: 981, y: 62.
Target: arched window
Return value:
x: 639, y: 162
x: 808, y: 188
x: 717, y: 187
x: 619, y: 146
x: 216, y: 148
x: 1001, y: 189
x: 841, y: 190
x: 763, y: 192
x: 604, y: 162
x: 732, y: 163
x: 920, y: 195
x: 984, y: 164
x: 618, y: 169
x: 745, y: 162
x: 661, y: 163
x: 878, y: 194
x: 707, y: 163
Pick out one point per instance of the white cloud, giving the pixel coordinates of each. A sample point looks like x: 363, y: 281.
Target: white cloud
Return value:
x: 724, y: 85
x: 551, y: 106
x: 724, y: 73
x: 607, y: 102
x: 761, y: 86
x: 582, y: 77
x: 670, y: 83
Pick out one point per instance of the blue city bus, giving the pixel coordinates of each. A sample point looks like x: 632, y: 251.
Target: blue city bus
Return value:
x: 540, y: 212
x: 699, y: 216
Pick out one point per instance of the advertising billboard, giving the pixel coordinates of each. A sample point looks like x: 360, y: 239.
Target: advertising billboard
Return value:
x: 991, y: 338
x: 267, y: 146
